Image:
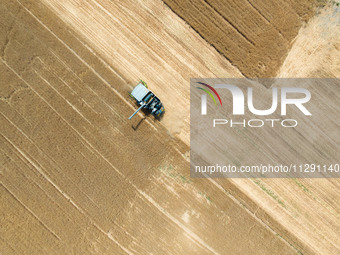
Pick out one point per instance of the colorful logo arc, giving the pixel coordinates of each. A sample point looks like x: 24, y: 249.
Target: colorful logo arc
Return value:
x: 209, y: 93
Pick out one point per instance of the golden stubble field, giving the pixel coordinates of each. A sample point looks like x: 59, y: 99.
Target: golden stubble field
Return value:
x: 78, y: 177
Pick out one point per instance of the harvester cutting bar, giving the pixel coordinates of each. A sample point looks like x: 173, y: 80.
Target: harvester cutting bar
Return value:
x: 136, y: 111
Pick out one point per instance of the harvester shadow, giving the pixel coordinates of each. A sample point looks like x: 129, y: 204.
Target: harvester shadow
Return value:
x: 135, y: 127
x: 146, y: 114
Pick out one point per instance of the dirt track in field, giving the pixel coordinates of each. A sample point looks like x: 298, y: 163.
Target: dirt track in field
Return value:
x: 77, y: 177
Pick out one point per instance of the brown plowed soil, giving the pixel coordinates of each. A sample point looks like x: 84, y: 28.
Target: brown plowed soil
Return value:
x: 254, y: 35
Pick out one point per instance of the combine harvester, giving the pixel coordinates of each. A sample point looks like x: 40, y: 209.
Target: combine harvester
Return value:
x: 146, y: 99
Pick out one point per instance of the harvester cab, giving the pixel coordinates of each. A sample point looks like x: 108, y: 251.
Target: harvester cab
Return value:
x: 147, y: 100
